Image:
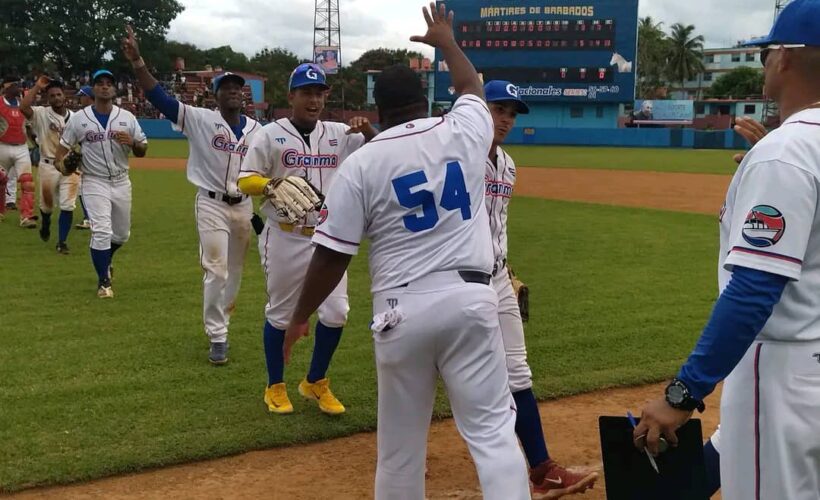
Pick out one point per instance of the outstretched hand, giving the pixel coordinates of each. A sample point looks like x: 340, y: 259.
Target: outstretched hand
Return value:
x: 439, y: 27
x: 751, y: 130
x: 294, y: 332
x: 130, y: 47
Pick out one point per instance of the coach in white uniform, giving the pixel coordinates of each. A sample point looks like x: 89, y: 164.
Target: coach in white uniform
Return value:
x: 305, y: 146
x: 48, y: 123
x: 106, y: 134
x: 764, y: 334
x: 218, y: 142
x: 417, y: 191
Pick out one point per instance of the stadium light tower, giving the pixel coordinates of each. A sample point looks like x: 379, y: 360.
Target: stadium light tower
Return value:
x: 327, y: 33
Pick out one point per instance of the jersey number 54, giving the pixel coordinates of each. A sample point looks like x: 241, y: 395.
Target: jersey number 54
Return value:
x: 454, y: 196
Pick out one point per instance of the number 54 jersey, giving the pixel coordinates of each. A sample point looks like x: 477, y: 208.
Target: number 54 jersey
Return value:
x: 416, y: 192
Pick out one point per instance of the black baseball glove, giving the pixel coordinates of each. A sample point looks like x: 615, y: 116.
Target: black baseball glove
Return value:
x: 71, y: 163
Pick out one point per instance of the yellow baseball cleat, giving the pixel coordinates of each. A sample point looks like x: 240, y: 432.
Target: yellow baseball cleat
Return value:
x: 320, y: 392
x: 276, y: 397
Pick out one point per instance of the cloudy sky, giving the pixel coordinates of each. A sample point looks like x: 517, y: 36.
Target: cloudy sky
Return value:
x: 250, y: 25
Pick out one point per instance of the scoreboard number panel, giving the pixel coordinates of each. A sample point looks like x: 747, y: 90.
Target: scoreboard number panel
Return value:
x: 564, y: 51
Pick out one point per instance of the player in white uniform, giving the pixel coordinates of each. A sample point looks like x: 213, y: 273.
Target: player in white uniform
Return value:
x: 106, y: 135
x: 218, y: 142
x: 416, y: 192
x: 15, y: 163
x: 547, y: 476
x: 85, y: 96
x: 764, y: 333
x: 301, y: 145
x: 48, y: 123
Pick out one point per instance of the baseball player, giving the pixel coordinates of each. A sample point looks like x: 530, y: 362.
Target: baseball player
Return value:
x: 547, y: 476
x: 15, y: 162
x: 416, y: 191
x: 106, y: 135
x: 48, y: 123
x: 763, y: 336
x: 301, y: 145
x: 218, y: 142
x: 85, y: 97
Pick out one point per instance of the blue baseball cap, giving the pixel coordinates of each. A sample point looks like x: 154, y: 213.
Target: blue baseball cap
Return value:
x: 87, y: 91
x: 797, y: 24
x: 101, y: 73
x: 307, y: 74
x: 226, y: 77
x: 502, y: 90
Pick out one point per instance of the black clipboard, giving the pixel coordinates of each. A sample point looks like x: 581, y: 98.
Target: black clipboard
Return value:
x: 629, y: 475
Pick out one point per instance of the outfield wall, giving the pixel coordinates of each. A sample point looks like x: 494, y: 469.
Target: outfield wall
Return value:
x: 625, y: 137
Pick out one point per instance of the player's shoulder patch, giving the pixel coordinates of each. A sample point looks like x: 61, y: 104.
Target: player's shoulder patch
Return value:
x: 764, y: 226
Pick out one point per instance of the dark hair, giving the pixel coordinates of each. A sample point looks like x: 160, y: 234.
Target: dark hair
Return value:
x: 54, y: 84
x: 398, y: 87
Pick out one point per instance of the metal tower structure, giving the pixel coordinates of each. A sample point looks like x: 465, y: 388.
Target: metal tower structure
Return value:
x: 327, y: 32
x: 771, y: 113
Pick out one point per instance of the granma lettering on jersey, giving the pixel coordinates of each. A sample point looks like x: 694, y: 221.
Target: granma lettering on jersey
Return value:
x: 100, y: 136
x: 292, y: 158
x: 222, y: 143
x: 497, y: 188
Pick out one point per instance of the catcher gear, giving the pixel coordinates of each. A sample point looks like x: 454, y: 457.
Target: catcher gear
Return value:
x: 522, y: 292
x: 71, y: 163
x: 293, y: 197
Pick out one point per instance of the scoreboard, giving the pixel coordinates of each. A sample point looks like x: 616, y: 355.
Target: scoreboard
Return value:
x: 563, y: 51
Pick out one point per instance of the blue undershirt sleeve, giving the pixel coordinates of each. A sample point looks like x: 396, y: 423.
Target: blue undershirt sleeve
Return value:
x: 741, y: 311
x: 166, y: 104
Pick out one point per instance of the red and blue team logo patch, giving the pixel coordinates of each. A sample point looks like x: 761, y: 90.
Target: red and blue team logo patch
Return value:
x: 764, y: 226
x: 322, y: 214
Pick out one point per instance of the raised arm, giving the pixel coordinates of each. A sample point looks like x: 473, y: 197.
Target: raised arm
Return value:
x: 31, y: 95
x: 153, y: 90
x: 440, y: 35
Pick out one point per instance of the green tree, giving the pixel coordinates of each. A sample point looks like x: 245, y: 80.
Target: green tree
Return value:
x: 276, y: 65
x: 739, y: 83
x: 653, y: 50
x: 685, y: 56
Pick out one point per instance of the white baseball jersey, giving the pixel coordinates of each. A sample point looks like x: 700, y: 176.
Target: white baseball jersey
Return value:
x: 770, y: 222
x: 278, y: 150
x: 499, y: 180
x: 48, y: 126
x: 412, y: 178
x: 103, y: 156
x: 215, y: 154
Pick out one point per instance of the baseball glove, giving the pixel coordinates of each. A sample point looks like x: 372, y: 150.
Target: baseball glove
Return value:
x: 71, y: 163
x: 522, y: 292
x: 293, y: 197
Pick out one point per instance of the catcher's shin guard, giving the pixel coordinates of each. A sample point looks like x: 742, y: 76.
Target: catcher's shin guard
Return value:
x: 27, y: 196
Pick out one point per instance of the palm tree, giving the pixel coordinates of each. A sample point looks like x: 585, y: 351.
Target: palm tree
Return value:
x: 652, y: 55
x: 685, y: 59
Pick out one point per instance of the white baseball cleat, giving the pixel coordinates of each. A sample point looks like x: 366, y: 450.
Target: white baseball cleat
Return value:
x: 105, y: 292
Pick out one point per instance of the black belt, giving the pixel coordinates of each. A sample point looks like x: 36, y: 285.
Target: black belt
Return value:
x: 497, y: 268
x: 469, y: 277
x: 225, y: 198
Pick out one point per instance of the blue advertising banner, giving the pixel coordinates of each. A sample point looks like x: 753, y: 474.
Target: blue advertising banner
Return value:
x: 666, y: 111
x: 553, y: 50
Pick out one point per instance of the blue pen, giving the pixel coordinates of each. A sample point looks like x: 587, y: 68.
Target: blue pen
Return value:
x: 645, y: 449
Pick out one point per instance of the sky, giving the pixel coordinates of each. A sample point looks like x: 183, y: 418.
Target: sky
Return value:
x: 251, y: 25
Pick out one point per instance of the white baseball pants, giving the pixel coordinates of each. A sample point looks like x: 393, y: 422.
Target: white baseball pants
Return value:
x: 285, y: 259
x: 770, y: 424
x: 224, y: 236
x: 449, y: 328
x: 512, y: 332
x: 108, y: 203
x: 55, y: 186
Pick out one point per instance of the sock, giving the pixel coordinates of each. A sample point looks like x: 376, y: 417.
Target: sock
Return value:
x: 324, y: 345
x: 274, y: 341
x: 528, y: 428
x: 46, y: 220
x: 101, y: 260
x: 114, y: 248
x: 711, y: 458
x: 64, y: 222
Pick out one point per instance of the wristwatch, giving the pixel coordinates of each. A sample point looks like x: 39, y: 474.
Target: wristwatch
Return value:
x: 679, y: 397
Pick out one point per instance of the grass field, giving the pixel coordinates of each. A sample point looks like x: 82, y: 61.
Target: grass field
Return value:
x: 703, y: 161
x: 91, y: 388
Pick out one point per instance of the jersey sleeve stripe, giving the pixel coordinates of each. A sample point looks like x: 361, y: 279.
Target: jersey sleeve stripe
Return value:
x: 767, y: 254
x: 337, y: 239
